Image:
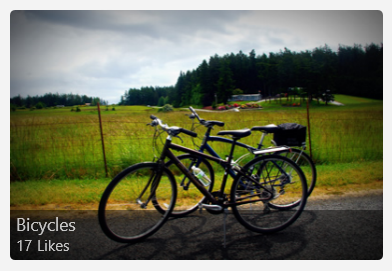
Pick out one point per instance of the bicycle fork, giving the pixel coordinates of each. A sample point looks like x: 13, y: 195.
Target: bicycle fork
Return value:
x: 153, y: 181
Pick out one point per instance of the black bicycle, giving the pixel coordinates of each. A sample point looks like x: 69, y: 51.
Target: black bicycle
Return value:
x: 295, y: 137
x: 267, y: 195
x: 286, y: 134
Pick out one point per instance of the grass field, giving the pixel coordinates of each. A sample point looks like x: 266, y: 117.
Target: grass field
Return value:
x: 57, y: 146
x: 85, y: 194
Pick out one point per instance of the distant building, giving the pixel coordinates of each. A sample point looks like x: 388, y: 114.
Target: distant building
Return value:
x: 59, y: 105
x: 87, y: 104
x: 247, y: 97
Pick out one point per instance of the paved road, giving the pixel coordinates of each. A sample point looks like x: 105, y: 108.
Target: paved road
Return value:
x: 337, y: 228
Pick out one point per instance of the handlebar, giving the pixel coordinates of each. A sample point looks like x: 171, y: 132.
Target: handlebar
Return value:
x: 194, y: 114
x: 206, y: 123
x: 173, y: 130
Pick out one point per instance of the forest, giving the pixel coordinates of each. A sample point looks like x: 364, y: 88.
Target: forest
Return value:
x: 352, y: 70
x: 51, y: 99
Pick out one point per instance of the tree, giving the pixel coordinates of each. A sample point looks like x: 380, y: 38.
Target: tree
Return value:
x: 196, y: 98
x: 327, y: 97
x: 238, y: 91
x: 205, y: 86
x: 161, y: 101
x: 39, y: 105
x: 225, y: 83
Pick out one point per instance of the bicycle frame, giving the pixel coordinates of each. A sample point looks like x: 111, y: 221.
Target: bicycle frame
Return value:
x: 205, y: 146
x: 225, y: 163
x: 256, y: 151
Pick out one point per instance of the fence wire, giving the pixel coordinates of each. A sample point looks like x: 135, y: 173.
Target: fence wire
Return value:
x: 73, y: 149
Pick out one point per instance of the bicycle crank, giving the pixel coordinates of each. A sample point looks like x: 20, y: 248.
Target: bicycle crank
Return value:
x: 213, y: 208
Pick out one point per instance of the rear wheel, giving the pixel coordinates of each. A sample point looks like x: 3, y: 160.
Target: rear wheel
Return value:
x: 274, y: 196
x: 304, y: 161
x: 126, y: 210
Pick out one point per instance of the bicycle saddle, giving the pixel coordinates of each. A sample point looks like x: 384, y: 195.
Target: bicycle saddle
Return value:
x: 236, y: 133
x: 270, y: 128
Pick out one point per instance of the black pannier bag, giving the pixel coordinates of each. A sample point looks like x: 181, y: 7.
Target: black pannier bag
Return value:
x: 290, y: 134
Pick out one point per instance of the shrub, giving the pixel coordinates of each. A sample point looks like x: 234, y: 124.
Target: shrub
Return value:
x: 237, y: 91
x: 166, y: 108
x: 222, y: 107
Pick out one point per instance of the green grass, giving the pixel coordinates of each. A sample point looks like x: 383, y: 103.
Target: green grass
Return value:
x: 351, y: 177
x: 56, y: 154
x: 54, y: 144
x: 351, y: 100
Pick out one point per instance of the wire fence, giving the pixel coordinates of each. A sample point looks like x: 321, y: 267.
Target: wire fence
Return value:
x: 72, y: 148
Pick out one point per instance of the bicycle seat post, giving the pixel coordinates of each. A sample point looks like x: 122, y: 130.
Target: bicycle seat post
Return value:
x: 206, y: 136
x: 263, y: 134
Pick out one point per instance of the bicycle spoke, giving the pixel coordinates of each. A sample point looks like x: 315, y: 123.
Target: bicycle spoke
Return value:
x: 273, y: 209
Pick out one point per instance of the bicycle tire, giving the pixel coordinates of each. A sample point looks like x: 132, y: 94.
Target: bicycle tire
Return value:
x: 270, y: 171
x: 125, y: 219
x: 188, y: 196
x: 306, y: 164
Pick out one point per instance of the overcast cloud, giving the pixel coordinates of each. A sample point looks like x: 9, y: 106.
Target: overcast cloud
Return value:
x: 104, y: 53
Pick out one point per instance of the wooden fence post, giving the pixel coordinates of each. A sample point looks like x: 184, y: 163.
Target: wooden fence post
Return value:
x: 310, y: 141
x: 102, y: 140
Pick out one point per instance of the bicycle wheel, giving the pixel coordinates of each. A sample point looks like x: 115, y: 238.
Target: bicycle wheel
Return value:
x: 275, y: 181
x: 304, y: 161
x: 126, y: 212
x: 188, y: 196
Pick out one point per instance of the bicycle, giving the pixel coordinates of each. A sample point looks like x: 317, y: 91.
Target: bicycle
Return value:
x: 259, y: 195
x: 299, y: 156
x: 185, y: 188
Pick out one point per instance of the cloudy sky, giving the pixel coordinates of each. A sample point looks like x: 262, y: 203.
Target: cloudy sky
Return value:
x: 104, y: 53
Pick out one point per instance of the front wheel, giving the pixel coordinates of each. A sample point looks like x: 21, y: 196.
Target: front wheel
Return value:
x: 126, y: 211
x: 271, y: 195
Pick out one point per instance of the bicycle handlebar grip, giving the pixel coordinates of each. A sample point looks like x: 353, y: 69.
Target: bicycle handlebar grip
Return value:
x: 153, y: 117
x: 219, y: 123
x: 190, y: 133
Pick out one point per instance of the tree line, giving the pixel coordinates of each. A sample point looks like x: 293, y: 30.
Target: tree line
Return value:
x: 54, y: 99
x: 353, y: 70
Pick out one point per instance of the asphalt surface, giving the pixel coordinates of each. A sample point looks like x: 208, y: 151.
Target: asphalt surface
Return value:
x: 339, y: 228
